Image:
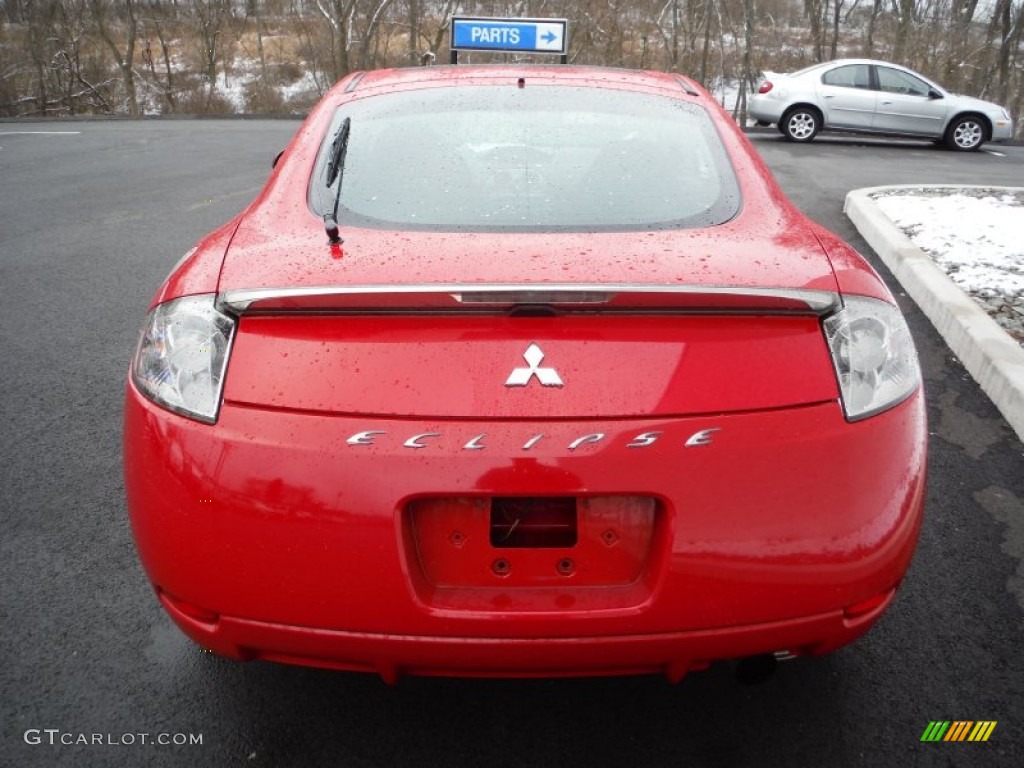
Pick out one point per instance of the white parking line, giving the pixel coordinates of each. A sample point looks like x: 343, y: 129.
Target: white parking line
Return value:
x: 993, y: 152
x: 40, y: 133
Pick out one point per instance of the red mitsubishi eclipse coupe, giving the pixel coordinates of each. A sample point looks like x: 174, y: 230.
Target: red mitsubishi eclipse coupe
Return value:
x: 523, y: 371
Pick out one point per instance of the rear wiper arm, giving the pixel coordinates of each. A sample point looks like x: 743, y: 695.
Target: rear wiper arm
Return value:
x: 336, y: 170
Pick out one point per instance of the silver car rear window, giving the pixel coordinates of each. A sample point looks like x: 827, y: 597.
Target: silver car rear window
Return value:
x: 532, y: 158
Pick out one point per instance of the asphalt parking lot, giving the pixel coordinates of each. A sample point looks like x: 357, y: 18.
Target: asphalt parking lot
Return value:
x: 91, y: 220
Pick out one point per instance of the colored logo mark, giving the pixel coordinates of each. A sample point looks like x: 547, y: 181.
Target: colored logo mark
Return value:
x: 958, y: 730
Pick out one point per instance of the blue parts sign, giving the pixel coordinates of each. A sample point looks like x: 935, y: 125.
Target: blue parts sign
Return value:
x: 510, y: 35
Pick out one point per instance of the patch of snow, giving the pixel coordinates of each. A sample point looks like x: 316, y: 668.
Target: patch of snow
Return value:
x: 233, y: 78
x: 975, y: 236
x: 243, y: 65
x: 306, y: 83
x: 233, y: 89
x: 726, y: 93
x: 177, y: 59
x: 976, y: 239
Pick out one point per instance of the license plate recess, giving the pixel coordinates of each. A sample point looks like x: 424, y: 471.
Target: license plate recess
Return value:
x: 531, y: 541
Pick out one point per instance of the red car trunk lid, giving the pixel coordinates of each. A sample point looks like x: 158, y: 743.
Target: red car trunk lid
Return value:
x: 507, y: 367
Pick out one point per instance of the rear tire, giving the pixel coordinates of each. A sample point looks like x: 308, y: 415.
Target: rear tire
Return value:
x: 800, y: 124
x: 966, y: 133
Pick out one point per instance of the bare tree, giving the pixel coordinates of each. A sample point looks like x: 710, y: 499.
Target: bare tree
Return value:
x: 815, y: 12
x: 869, y: 45
x: 211, y: 17
x: 369, y: 33
x: 961, y: 18
x: 160, y: 14
x: 747, y: 76
x: 80, y: 89
x: 904, y: 11
x: 105, y: 14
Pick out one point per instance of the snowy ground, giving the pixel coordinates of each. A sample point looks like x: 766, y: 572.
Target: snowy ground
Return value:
x: 976, y: 236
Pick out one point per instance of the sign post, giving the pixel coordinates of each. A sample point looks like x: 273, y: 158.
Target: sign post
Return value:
x: 471, y: 33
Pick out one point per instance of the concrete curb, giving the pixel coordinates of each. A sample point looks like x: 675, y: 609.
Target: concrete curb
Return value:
x: 991, y: 356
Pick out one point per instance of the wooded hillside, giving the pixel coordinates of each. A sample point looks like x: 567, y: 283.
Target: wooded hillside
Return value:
x: 131, y: 57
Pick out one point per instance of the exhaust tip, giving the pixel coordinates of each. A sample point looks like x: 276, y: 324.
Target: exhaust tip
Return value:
x: 754, y: 670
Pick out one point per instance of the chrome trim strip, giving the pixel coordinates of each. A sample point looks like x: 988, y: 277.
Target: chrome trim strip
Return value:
x: 686, y: 86
x: 238, y: 301
x: 354, y: 83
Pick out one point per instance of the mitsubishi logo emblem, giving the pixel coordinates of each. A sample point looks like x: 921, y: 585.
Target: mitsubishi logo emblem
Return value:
x: 520, y: 377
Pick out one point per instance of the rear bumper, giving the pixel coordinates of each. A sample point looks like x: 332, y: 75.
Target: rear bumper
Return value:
x: 294, y: 544
x: 765, y: 108
x: 391, y: 656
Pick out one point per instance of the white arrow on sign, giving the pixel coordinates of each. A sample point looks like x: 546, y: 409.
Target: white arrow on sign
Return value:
x: 549, y: 37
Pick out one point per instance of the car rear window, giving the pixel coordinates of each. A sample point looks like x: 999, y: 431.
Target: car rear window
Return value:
x: 532, y: 158
x: 851, y: 76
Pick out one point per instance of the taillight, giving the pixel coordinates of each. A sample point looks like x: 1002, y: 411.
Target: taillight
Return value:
x: 765, y: 87
x: 873, y: 354
x: 183, y: 355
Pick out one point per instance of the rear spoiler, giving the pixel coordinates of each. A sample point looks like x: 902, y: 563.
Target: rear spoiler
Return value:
x: 500, y: 298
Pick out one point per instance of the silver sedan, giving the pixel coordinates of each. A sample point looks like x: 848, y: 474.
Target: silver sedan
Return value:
x: 868, y: 96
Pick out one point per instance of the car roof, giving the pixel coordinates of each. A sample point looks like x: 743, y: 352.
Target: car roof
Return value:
x: 835, y: 62
x: 847, y: 62
x: 552, y: 74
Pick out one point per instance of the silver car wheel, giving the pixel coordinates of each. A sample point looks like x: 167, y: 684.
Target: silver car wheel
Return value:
x: 965, y: 134
x: 801, y: 125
